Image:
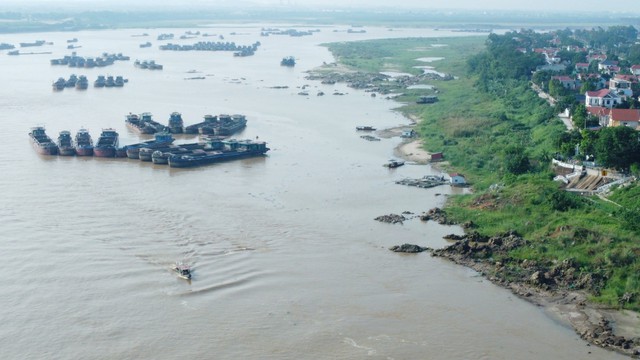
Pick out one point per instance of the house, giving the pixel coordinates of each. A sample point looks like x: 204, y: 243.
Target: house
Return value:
x: 605, y: 98
x: 596, y: 79
x: 457, y: 179
x: 596, y: 57
x: 566, y: 82
x: 624, y: 117
x: 550, y: 55
x: 607, y: 65
x: 601, y: 113
x: 552, y: 67
x: 635, y: 69
x: 621, y: 85
x: 582, y: 67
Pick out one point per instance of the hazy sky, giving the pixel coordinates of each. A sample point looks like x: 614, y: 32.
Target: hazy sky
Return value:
x: 620, y: 6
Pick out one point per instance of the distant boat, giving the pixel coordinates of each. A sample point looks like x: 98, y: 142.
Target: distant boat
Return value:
x: 59, y: 84
x: 289, y: 61
x: 176, y: 124
x: 82, y: 83
x: 65, y: 144
x: 365, y: 128
x: 41, y: 142
x: 119, y: 81
x: 71, y: 82
x: 393, y: 163
x: 35, y: 43
x: 100, y: 81
x: 83, y: 143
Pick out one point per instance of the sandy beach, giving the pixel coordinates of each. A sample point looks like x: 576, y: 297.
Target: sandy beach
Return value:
x: 414, y: 151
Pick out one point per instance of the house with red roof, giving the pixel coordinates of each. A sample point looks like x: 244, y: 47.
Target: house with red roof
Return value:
x: 600, y: 113
x: 582, y: 67
x: 624, y: 117
x: 605, y: 98
x: 596, y: 57
x: 635, y: 70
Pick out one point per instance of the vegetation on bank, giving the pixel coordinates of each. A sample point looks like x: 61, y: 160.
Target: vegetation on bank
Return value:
x: 493, y: 128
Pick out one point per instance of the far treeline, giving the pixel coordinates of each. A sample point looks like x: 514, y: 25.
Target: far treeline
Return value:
x: 492, y: 127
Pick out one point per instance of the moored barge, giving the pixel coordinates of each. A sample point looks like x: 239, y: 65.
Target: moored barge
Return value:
x: 176, y: 124
x: 221, y: 125
x: 41, y: 142
x: 218, y: 151
x: 83, y: 143
x: 65, y: 144
x: 160, y: 140
x: 107, y: 144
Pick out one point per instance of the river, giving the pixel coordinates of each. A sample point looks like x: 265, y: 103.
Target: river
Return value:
x: 288, y: 260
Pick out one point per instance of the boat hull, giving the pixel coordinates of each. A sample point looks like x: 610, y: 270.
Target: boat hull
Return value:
x: 46, y: 149
x: 84, y: 151
x: 184, y: 161
x: 107, y: 151
x: 66, y: 151
x: 42, y: 143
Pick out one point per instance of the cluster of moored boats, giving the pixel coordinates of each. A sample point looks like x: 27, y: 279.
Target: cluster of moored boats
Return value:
x: 74, y: 60
x: 160, y: 150
x: 147, y: 64
x: 82, y: 83
x: 218, y: 125
x: 74, y: 81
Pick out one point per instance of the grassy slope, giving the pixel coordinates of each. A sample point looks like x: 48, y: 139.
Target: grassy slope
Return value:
x: 473, y: 129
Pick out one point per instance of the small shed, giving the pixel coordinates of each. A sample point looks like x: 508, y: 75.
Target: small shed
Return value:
x: 437, y: 156
x: 408, y: 133
x: 457, y: 179
x: 429, y: 99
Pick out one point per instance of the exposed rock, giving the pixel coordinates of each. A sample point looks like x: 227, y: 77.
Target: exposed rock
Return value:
x: 391, y: 218
x: 408, y: 248
x: 436, y: 214
x: 552, y: 283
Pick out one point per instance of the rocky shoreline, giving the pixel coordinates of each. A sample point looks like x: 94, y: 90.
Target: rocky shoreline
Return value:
x: 559, y: 287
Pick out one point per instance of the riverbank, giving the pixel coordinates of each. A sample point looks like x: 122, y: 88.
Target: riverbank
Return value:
x: 474, y: 134
x: 605, y: 327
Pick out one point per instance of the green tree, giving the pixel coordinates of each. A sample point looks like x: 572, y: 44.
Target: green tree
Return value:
x: 617, y: 147
x: 579, y: 116
x: 516, y: 160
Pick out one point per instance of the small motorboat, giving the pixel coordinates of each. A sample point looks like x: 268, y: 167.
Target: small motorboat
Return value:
x: 393, y: 163
x: 183, y: 270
